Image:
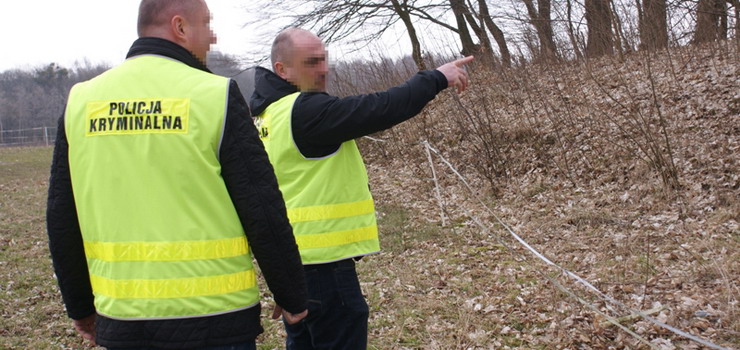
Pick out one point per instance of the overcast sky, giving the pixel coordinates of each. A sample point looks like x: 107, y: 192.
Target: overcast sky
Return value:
x: 38, y: 32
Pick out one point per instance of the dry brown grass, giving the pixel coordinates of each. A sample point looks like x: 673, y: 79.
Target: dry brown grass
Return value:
x: 32, y: 314
x: 554, y: 151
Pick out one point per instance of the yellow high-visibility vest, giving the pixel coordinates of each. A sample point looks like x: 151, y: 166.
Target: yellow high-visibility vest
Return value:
x: 328, y: 199
x: 162, y: 237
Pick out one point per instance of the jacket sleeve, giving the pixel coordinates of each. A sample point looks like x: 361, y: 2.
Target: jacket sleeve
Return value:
x: 65, y: 238
x: 320, y: 119
x: 253, y: 188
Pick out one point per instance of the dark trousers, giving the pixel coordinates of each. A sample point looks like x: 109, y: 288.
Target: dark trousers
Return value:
x: 250, y: 345
x: 337, y: 311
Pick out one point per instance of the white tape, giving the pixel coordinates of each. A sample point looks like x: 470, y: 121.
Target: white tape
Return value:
x: 571, y: 274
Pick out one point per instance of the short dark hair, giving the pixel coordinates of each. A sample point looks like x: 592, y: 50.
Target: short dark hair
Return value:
x: 154, y: 13
x: 282, y: 43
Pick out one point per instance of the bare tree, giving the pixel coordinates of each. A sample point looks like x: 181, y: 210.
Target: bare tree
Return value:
x: 711, y: 21
x: 571, y: 32
x: 541, y: 19
x: 403, y: 12
x: 722, y: 12
x: 618, y: 33
x: 36, y: 97
x: 336, y: 21
x: 599, y: 20
x: 496, y: 32
x: 459, y: 10
x: 736, y: 5
x: 479, y: 28
x: 465, y: 16
x: 653, y: 24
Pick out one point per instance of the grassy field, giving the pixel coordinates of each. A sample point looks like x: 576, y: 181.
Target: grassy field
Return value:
x: 402, y: 287
x: 432, y: 287
x: 33, y: 316
x: 32, y: 313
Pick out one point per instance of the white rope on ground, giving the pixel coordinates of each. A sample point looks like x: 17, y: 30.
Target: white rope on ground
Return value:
x: 564, y: 270
x: 610, y: 299
x: 566, y: 290
x: 595, y: 309
x: 436, y: 188
x: 374, y: 139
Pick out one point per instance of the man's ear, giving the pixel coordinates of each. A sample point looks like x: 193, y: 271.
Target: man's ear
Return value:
x: 280, y: 69
x: 177, y: 27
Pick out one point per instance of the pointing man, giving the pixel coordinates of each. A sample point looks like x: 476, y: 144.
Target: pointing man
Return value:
x: 308, y: 136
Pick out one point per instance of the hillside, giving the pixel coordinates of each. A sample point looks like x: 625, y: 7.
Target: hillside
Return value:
x: 574, y: 159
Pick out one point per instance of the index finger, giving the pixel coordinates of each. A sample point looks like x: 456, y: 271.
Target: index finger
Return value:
x: 463, y: 61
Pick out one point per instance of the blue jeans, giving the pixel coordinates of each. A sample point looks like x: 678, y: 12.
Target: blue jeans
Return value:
x: 337, y: 310
x: 250, y: 345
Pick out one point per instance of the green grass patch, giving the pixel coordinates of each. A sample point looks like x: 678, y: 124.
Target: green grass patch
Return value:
x: 399, y: 231
x: 32, y: 313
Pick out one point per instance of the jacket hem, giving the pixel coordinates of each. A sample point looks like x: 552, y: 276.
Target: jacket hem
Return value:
x: 178, y: 317
x: 340, y: 259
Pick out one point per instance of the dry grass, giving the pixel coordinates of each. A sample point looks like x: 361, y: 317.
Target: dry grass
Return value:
x: 551, y: 156
x: 554, y: 151
x: 32, y: 314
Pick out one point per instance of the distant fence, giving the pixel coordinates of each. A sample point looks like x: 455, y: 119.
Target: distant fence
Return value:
x: 28, y: 137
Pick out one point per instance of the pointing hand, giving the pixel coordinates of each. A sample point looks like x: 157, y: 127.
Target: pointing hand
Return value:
x: 455, y: 74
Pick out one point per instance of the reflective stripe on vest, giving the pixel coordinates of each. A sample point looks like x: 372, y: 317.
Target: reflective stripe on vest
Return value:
x: 167, y: 251
x: 328, y: 200
x: 162, y: 237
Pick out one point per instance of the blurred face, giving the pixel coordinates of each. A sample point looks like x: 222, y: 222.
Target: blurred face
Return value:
x: 200, y: 36
x: 306, y: 66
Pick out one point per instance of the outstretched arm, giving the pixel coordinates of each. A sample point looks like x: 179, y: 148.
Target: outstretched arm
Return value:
x: 320, y: 119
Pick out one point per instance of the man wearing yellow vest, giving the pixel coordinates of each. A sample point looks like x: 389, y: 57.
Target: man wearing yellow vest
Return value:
x: 308, y: 136
x: 160, y: 194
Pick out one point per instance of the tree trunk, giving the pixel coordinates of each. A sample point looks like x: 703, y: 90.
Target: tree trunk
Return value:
x: 458, y: 8
x: 707, y: 21
x: 599, y: 21
x: 736, y: 4
x: 480, y: 32
x: 496, y: 32
x: 403, y: 12
x: 571, y: 32
x: 618, y: 32
x: 722, y: 12
x: 544, y: 7
x: 540, y: 18
x: 653, y: 25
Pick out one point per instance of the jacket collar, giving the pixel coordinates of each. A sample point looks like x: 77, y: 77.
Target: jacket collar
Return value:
x: 164, y: 47
x: 268, y: 88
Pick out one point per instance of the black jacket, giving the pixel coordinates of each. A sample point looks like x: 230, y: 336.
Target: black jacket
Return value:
x: 320, y: 122
x: 252, y: 185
